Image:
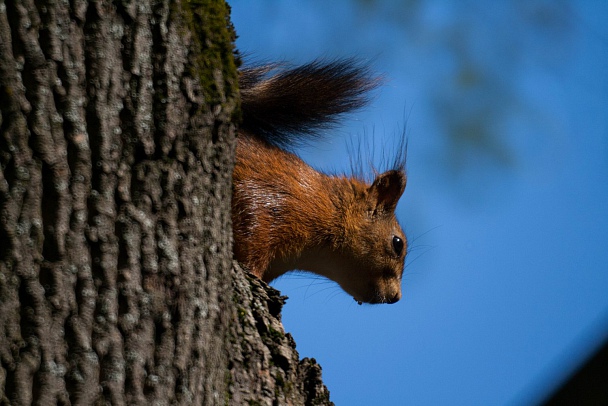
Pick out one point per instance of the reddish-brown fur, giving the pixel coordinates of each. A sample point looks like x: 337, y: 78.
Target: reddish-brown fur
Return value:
x: 286, y: 215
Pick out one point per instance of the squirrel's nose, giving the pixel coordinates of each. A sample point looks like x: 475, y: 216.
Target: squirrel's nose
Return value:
x: 394, y: 299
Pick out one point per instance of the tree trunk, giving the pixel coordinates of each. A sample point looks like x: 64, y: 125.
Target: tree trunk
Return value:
x: 116, y: 152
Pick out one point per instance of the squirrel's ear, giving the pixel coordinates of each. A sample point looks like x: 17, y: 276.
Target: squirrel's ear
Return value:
x: 386, y: 190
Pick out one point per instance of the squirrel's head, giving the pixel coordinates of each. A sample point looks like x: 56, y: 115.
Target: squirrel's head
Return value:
x: 374, y: 245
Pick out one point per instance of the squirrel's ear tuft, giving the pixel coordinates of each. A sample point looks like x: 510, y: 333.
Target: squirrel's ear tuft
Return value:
x: 386, y: 190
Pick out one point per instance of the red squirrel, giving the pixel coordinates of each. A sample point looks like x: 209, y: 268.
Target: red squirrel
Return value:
x: 288, y: 216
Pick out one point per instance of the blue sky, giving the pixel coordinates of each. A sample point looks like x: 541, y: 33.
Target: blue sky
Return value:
x: 506, y: 208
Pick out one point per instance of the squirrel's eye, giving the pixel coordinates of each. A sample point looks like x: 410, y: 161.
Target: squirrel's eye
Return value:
x: 397, y: 245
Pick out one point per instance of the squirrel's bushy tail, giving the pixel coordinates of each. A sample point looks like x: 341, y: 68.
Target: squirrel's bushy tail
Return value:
x: 286, y: 106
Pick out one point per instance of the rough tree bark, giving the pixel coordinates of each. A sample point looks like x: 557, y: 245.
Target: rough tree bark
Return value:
x: 116, y: 151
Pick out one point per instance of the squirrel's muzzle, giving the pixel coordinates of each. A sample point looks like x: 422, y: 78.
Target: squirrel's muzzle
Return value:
x: 380, y: 299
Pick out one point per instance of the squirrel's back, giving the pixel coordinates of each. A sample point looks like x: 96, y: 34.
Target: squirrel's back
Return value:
x: 288, y: 216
